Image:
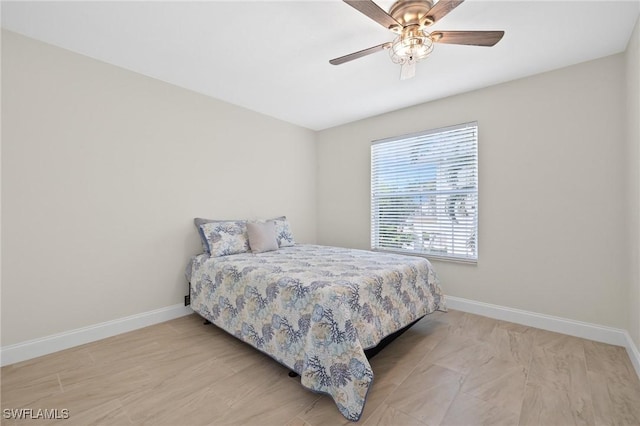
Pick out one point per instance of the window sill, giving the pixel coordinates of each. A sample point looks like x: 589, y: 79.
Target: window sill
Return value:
x: 431, y: 257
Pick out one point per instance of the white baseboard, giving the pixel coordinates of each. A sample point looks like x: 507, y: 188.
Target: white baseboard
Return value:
x: 57, y: 342
x: 634, y: 353
x: 585, y: 330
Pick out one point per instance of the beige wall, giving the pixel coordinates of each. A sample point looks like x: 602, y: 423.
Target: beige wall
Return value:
x: 633, y: 178
x: 551, y: 185
x: 103, y: 171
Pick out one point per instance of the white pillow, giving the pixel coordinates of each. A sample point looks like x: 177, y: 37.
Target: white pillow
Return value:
x: 262, y: 236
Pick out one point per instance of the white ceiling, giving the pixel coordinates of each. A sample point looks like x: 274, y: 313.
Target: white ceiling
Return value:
x: 273, y: 56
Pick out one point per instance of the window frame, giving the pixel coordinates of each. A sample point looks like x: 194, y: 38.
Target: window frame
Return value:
x: 472, y: 127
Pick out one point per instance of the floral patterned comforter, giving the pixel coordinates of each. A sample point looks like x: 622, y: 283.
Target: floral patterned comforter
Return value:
x: 316, y: 308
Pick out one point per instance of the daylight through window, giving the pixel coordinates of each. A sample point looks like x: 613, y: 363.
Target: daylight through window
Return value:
x: 424, y: 193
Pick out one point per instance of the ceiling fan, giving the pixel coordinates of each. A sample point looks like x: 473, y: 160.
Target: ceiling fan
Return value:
x: 410, y: 19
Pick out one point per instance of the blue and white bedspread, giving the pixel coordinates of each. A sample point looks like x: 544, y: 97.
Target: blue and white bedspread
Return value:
x: 316, y: 308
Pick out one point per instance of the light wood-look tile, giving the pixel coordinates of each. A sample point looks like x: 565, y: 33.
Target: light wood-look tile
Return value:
x: 497, y: 380
x: 614, y: 402
x: 557, y: 386
x: 386, y: 415
x: 460, y: 353
x: 512, y: 343
x: 468, y: 410
x: 297, y: 421
x: 451, y: 368
x: 427, y: 393
x: 610, y: 361
x: 83, y: 410
x: 474, y: 326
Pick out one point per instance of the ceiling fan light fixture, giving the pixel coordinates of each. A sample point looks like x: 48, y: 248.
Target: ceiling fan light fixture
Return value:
x: 411, y: 46
x: 409, y: 19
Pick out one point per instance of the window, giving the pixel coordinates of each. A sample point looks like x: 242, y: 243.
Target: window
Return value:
x: 424, y: 193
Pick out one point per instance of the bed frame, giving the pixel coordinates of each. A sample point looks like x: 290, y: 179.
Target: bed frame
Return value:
x: 371, y: 352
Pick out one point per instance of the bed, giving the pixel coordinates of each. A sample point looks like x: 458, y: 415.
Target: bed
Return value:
x: 316, y: 309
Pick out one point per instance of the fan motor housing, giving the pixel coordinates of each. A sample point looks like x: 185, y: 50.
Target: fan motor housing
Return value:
x: 411, y: 12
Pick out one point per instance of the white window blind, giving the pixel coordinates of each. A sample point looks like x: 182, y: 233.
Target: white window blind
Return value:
x: 424, y: 193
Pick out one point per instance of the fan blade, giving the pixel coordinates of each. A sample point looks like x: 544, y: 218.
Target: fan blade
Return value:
x: 442, y: 8
x: 359, y: 54
x: 472, y: 38
x: 374, y: 12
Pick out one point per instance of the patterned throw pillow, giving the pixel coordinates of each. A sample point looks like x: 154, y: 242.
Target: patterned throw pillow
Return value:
x: 225, y: 238
x: 200, y: 221
x: 283, y: 232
